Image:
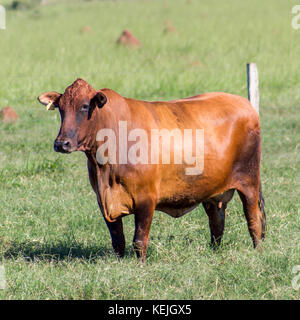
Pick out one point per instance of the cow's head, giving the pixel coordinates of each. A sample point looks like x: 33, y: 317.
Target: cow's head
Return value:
x: 77, y: 110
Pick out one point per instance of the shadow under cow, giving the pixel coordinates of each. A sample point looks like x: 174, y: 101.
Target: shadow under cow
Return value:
x: 33, y: 250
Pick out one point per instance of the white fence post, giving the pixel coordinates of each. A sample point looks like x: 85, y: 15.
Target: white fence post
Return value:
x: 2, y: 277
x: 2, y: 17
x: 252, y: 81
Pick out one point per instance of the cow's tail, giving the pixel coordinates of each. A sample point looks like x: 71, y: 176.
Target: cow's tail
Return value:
x: 261, y: 203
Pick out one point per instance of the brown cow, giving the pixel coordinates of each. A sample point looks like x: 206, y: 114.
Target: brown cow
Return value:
x: 231, y: 157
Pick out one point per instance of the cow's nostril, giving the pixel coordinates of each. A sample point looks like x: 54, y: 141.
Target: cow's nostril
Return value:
x: 57, y: 146
x: 62, y: 146
x: 66, y: 145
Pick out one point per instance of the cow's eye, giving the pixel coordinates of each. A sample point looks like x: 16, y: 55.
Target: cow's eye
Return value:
x: 85, y: 108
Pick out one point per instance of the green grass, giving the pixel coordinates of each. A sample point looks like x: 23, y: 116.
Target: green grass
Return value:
x: 54, y: 243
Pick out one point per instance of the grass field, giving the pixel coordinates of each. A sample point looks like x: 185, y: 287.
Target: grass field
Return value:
x: 54, y: 243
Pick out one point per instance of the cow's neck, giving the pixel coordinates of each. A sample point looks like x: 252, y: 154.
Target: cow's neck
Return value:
x: 107, y: 117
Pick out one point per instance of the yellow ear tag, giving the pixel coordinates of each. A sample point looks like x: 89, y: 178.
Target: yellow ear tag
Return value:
x: 50, y: 106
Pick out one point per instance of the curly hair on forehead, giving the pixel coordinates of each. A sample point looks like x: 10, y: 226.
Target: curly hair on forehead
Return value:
x: 77, y: 91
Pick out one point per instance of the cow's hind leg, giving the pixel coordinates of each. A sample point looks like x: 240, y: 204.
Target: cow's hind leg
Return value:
x: 216, y: 216
x: 253, y: 205
x: 215, y: 209
x: 117, y: 236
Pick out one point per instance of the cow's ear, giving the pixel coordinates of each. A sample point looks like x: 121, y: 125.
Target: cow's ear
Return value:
x: 50, y: 99
x: 99, y: 99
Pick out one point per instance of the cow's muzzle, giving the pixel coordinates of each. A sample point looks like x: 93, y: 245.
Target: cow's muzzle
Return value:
x: 63, y: 146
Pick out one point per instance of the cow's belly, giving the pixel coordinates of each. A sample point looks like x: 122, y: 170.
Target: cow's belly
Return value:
x: 176, y: 212
x: 178, y: 205
x: 177, y: 209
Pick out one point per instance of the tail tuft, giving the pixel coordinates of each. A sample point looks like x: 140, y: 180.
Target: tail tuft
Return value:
x: 261, y: 204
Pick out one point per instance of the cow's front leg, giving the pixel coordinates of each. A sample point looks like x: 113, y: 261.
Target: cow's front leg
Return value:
x: 143, y: 219
x: 117, y: 236
x: 115, y: 228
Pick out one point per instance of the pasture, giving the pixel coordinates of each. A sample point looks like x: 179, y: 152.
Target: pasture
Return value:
x: 54, y: 243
